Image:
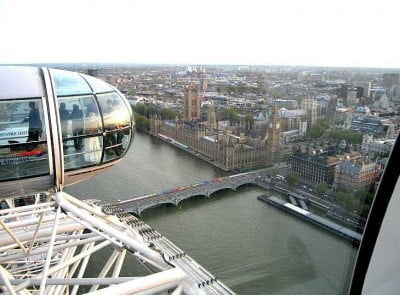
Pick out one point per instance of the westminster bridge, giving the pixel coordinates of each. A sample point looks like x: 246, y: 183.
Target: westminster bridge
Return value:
x: 206, y: 188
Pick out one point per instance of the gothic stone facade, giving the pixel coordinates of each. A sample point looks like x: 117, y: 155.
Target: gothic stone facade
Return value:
x: 226, y: 151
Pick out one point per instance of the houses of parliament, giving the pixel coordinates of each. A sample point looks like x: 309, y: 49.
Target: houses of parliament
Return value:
x: 231, y: 148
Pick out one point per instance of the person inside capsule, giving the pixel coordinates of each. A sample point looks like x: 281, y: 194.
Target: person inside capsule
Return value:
x: 84, y: 123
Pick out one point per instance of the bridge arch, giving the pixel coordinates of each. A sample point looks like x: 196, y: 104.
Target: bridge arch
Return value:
x: 180, y: 199
x: 225, y: 187
x: 151, y: 205
x: 245, y: 184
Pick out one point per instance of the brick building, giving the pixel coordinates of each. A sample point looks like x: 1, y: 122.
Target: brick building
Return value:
x: 320, y: 167
x: 357, y: 176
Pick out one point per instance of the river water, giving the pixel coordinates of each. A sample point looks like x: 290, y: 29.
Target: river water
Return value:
x: 252, y: 247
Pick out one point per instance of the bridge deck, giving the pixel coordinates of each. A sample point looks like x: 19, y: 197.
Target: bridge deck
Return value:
x: 205, y: 188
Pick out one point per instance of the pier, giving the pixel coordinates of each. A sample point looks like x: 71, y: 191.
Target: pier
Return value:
x: 326, y: 224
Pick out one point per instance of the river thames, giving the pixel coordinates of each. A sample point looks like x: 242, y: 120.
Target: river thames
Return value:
x: 251, y: 246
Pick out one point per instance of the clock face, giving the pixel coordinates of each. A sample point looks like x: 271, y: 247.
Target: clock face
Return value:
x: 277, y: 125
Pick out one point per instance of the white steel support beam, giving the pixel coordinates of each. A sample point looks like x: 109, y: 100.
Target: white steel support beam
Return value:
x: 118, y: 264
x: 149, y: 282
x: 44, y: 232
x: 6, y: 282
x: 89, y: 226
x: 36, y: 232
x: 160, y: 290
x: 76, y: 281
x: 13, y: 236
x: 127, y: 240
x: 83, y: 266
x: 65, y: 264
x: 50, y: 252
x: 178, y: 291
x: 13, y: 209
x: 41, y: 250
x: 106, y: 268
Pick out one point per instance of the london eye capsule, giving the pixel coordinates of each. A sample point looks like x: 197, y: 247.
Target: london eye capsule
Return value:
x: 58, y: 128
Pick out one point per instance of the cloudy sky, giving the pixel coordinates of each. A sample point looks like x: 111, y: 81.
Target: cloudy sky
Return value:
x: 276, y: 32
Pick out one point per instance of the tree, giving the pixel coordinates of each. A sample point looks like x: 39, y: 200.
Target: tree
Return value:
x: 140, y: 109
x: 168, y: 114
x: 352, y: 204
x: 361, y: 195
x: 342, y: 197
x: 292, y: 178
x: 142, y: 123
x: 347, y: 135
x: 341, y: 188
x: 229, y: 114
x: 132, y: 92
x: 321, y: 189
x: 249, y: 120
x: 318, y: 129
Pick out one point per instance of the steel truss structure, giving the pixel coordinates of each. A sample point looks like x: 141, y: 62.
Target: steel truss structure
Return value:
x: 46, y: 247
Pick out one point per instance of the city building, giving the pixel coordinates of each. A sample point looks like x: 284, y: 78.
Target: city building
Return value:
x: 363, y: 89
x: 390, y: 79
x: 379, y: 127
x: 376, y: 148
x: 313, y: 110
x: 203, y: 83
x: 354, y: 176
x: 93, y: 72
x: 223, y: 149
x: 229, y: 148
x: 274, y: 137
x: 320, y: 166
x: 211, y: 118
x: 294, y: 120
x: 191, y: 102
x: 290, y: 104
x: 350, y: 98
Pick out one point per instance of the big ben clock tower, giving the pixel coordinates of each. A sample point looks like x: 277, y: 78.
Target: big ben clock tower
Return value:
x: 274, y: 137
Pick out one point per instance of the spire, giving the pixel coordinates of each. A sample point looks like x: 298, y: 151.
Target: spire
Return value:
x: 211, y: 119
x: 273, y: 136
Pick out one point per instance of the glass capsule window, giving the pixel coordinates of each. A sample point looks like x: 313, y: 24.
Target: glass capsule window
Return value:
x: 116, y: 125
x: 98, y: 85
x: 95, y: 128
x: 69, y: 83
x: 81, y: 130
x: 23, y: 144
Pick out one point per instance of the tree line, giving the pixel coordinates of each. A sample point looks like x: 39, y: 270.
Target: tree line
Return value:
x: 144, y: 112
x: 322, y: 128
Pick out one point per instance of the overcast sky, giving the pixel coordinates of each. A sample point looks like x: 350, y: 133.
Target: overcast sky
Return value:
x: 276, y: 32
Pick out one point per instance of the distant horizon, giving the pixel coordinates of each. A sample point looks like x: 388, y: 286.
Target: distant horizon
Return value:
x: 198, y: 65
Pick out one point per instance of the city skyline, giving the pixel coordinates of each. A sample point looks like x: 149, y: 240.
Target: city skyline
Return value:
x: 346, y: 34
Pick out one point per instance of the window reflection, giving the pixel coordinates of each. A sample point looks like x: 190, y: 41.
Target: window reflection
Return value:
x: 23, y: 147
x: 98, y: 85
x: 79, y: 117
x: 87, y: 156
x: 74, y: 116
x: 69, y: 83
x: 115, y: 113
x: 116, y: 125
x: 116, y: 144
x: 82, y: 129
